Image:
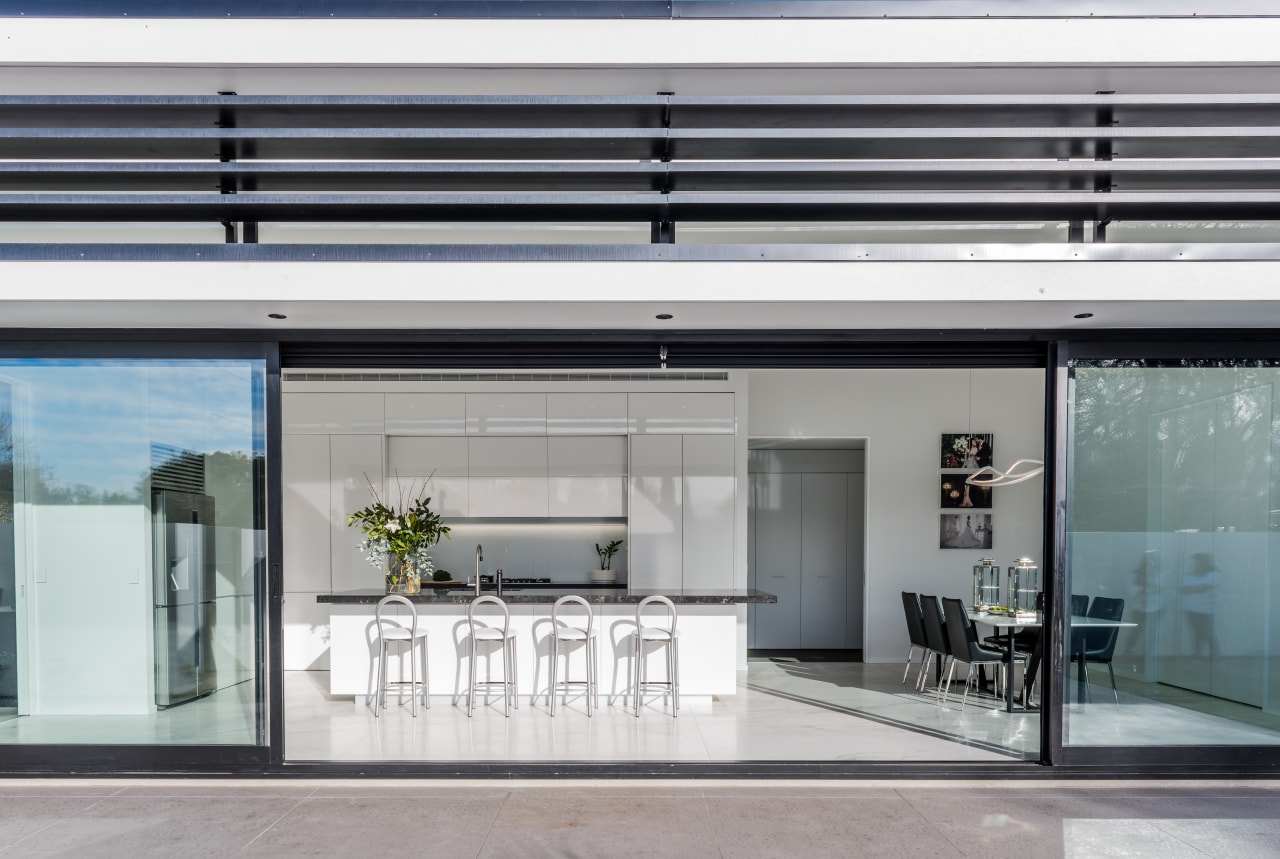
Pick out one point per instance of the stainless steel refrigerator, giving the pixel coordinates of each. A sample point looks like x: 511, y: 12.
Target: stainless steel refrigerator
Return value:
x: 184, y: 590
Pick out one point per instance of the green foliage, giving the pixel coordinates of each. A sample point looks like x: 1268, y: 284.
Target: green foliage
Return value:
x: 606, y: 554
x: 404, y: 532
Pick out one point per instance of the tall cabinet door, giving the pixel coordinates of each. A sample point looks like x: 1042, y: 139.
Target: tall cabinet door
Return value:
x: 823, y: 560
x: 355, y: 461
x: 777, y: 539
x: 655, y: 554
x: 709, y: 484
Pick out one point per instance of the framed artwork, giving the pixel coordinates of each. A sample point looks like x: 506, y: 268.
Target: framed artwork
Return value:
x: 967, y: 449
x: 964, y: 531
x: 955, y: 493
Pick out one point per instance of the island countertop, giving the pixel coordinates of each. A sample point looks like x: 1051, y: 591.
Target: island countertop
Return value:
x: 547, y: 596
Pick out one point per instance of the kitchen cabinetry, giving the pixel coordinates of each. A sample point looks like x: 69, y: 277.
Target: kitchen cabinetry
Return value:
x: 681, y: 414
x: 507, y: 477
x: 444, y: 460
x: 708, y: 511
x: 507, y: 414
x: 807, y: 549
x: 656, y: 551
x: 426, y: 414
x: 587, y: 414
x: 354, y: 462
x: 332, y: 413
x: 587, y: 476
x: 776, y: 538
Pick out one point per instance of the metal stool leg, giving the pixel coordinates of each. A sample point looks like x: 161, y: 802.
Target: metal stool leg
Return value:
x: 636, y: 670
x: 471, y: 685
x: 413, y: 678
x: 555, y: 654
x: 515, y: 678
x: 426, y: 674
x: 675, y: 674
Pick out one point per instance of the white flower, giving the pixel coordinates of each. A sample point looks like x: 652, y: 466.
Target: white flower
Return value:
x: 393, y: 526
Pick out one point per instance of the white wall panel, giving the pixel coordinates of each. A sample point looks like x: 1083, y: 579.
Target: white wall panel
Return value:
x: 426, y: 414
x: 332, y: 414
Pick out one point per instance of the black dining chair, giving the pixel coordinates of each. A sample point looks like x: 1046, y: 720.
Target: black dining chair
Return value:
x: 915, y: 630
x: 935, y: 632
x: 966, y: 648
x: 1098, y: 644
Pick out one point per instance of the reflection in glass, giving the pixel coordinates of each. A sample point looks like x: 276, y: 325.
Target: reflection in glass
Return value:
x: 131, y: 551
x: 1171, y: 546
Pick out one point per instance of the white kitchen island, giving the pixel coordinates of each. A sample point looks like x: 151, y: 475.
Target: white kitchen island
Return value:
x: 708, y: 627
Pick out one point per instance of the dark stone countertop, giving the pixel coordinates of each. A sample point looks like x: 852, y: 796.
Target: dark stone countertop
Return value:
x: 547, y: 596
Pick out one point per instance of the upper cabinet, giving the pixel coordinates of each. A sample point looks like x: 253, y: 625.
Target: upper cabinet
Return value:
x: 332, y: 414
x: 681, y: 414
x: 506, y: 414
x: 586, y: 414
x: 426, y: 414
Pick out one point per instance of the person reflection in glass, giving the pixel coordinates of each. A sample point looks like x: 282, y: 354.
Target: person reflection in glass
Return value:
x: 1198, y: 587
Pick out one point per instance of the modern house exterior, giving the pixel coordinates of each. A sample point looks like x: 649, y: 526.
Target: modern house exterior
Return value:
x: 638, y: 271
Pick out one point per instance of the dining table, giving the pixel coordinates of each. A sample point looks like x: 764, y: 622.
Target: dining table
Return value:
x: 1010, y: 623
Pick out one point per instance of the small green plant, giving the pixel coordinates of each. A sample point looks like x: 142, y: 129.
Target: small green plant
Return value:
x: 606, y: 554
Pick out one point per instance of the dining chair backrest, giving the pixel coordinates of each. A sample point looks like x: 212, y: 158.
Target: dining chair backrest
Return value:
x: 488, y: 600
x: 567, y: 601
x: 656, y: 600
x: 961, y: 635
x: 1100, y: 642
x: 935, y: 630
x: 395, y: 599
x: 1079, y: 604
x: 915, y: 620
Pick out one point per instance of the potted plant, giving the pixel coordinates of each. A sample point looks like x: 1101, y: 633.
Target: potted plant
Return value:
x: 397, y: 539
x: 604, y: 573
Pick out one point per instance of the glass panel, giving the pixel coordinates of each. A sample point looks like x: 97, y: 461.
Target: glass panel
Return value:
x: 1172, y: 542
x: 131, y: 544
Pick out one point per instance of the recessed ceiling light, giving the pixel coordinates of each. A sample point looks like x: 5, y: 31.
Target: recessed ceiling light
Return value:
x: 1084, y: 316
x: 663, y: 316
x: 276, y: 316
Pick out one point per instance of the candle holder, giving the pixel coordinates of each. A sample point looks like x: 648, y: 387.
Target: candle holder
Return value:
x: 1024, y: 584
x: 986, y: 584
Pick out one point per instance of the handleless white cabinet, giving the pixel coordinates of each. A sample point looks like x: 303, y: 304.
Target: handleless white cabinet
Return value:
x: 354, y: 462
x: 508, y: 477
x: 656, y: 533
x: 587, y: 476
x: 776, y: 500
x: 331, y: 413
x: 708, y: 511
x: 414, y: 459
x: 587, y: 414
x: 507, y: 414
x: 304, y: 472
x: 426, y: 414
x: 824, y: 560
x: 682, y: 414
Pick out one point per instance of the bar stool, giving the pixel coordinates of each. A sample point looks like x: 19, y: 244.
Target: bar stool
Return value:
x: 587, y: 636
x: 667, y: 636
x: 507, y: 638
x: 390, y: 630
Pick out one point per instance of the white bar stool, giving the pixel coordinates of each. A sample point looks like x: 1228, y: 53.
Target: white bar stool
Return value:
x: 587, y: 636
x: 391, y: 630
x: 667, y: 636
x: 507, y: 638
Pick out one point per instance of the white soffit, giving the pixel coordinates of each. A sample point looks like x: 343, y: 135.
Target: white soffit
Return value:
x: 585, y: 295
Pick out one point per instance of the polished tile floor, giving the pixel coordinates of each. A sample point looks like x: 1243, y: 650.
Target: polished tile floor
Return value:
x: 91, y: 819
x: 754, y: 725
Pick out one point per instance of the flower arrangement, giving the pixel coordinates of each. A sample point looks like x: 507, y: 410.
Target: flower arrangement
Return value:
x: 398, y: 538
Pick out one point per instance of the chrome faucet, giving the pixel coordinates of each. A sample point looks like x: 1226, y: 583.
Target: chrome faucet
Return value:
x: 479, y: 558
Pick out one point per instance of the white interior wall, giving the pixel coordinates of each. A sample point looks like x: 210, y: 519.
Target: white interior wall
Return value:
x: 902, y: 414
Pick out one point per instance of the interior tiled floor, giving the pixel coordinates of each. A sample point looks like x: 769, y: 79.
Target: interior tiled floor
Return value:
x: 754, y: 725
x: 623, y: 819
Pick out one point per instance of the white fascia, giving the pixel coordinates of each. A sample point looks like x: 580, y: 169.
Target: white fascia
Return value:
x: 639, y: 43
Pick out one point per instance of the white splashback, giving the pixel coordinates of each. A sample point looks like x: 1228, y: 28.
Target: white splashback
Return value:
x: 561, y: 551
